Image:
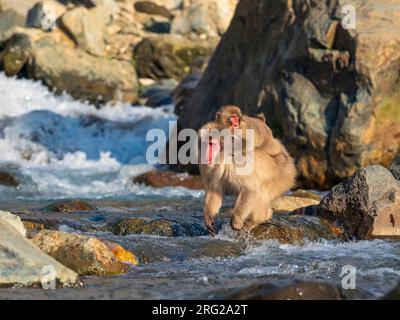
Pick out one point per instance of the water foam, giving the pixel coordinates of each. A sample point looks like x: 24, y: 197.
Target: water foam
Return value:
x: 66, y: 148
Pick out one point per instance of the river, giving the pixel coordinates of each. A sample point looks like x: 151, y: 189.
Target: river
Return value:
x: 62, y: 149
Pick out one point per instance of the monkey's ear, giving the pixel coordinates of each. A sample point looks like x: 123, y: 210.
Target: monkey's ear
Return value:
x: 261, y: 116
x: 218, y: 116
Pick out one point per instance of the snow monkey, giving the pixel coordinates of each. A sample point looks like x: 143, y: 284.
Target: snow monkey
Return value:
x: 273, y: 171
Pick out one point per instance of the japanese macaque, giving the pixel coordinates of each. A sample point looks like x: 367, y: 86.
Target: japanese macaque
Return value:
x: 273, y: 172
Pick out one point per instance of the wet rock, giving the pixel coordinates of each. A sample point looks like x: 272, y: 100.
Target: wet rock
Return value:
x: 16, y: 54
x: 321, y: 87
x: 120, y: 253
x: 44, y: 14
x: 32, y: 228
x: 161, y: 179
x: 85, y: 255
x: 69, y: 206
x: 393, y: 294
x: 297, y: 229
x: 159, y: 227
x: 14, y: 221
x: 297, y: 291
x: 395, y: 168
x: 54, y: 59
x: 291, y: 203
x: 22, y: 263
x: 367, y: 204
x: 184, y: 91
x: 86, y: 27
x: 152, y: 8
x: 8, y: 179
x: 8, y: 20
x: 169, y: 56
x: 158, y: 94
x: 208, y: 17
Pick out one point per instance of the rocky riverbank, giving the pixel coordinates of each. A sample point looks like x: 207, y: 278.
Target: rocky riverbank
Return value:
x: 108, y: 238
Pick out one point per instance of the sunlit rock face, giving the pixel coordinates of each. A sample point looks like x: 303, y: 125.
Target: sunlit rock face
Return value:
x: 329, y: 92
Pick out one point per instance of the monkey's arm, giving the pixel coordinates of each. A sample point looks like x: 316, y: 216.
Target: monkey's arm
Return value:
x: 212, y: 204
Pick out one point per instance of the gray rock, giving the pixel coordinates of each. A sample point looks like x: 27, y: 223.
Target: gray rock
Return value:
x: 86, y: 27
x: 395, y: 168
x: 207, y: 17
x: 22, y: 263
x: 367, y: 204
x: 8, y: 20
x: 14, y: 221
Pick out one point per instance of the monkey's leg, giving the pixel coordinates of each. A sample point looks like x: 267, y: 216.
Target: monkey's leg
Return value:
x: 243, y: 207
x: 212, y: 204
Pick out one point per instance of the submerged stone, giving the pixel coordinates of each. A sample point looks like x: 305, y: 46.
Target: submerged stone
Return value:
x: 159, y: 227
x: 297, y: 229
x: 161, y: 179
x: 297, y: 291
x: 69, y: 206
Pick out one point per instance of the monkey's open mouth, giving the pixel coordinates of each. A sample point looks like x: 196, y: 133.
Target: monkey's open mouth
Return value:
x: 235, y: 121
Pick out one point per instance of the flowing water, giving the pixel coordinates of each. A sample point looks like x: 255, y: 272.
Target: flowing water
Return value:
x: 60, y: 148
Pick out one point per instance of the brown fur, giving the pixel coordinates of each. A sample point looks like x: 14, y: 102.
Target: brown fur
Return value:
x: 274, y: 174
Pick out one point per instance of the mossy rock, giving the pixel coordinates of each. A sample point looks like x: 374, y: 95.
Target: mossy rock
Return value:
x: 159, y: 227
x: 69, y: 206
x: 8, y: 179
x: 170, y: 57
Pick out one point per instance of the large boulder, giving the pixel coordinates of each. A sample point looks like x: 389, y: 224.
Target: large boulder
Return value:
x: 367, y: 205
x: 328, y: 92
x: 54, y: 59
x: 22, y: 263
x: 83, y: 254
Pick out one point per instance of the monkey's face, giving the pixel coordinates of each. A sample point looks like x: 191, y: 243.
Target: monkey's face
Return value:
x: 234, y: 121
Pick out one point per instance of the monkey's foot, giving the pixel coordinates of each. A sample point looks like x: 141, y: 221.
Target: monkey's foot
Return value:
x: 236, y: 223
x: 210, y: 225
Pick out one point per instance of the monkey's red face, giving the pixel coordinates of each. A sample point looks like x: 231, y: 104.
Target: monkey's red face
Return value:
x: 235, y: 121
x: 214, y: 148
